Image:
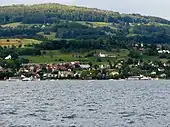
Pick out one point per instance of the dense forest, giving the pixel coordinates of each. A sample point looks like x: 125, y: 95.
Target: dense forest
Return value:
x: 50, y: 13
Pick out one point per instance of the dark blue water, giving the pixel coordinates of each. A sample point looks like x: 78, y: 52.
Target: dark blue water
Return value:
x: 85, y: 104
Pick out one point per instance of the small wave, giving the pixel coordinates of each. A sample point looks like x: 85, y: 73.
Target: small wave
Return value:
x: 127, y: 114
x: 131, y: 122
x: 50, y: 99
x: 147, y: 114
x: 70, y: 116
x: 46, y: 119
x: 40, y: 110
x: 2, y: 99
x: 13, y: 113
x: 92, y: 110
x: 31, y: 114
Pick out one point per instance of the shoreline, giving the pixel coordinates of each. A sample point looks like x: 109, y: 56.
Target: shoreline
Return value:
x: 89, y: 80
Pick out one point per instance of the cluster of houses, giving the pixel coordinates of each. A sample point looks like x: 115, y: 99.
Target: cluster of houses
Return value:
x: 76, y: 70
x: 52, y: 71
x: 163, y: 51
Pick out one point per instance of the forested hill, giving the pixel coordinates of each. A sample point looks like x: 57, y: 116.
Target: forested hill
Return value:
x: 54, y: 21
x: 50, y: 13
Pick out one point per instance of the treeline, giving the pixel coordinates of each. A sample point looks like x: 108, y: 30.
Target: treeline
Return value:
x: 16, y: 52
x: 153, y: 33
x: 65, y: 30
x: 149, y: 33
x: 143, y: 33
x: 87, y: 44
x: 50, y: 13
x: 19, y: 32
x: 77, y: 31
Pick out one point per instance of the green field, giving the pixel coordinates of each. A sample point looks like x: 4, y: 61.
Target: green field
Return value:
x: 56, y: 56
x: 100, y: 24
x: 51, y: 57
x: 94, y: 24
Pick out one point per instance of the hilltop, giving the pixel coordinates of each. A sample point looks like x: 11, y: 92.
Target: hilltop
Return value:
x: 42, y: 13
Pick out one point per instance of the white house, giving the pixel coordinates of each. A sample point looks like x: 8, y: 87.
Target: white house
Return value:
x: 9, y: 57
x: 103, y: 55
x: 161, y: 69
x: 163, y: 75
x: 43, y: 26
x: 83, y: 66
x: 153, y: 73
x: 164, y: 51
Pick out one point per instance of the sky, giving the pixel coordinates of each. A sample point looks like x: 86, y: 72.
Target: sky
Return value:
x: 159, y: 8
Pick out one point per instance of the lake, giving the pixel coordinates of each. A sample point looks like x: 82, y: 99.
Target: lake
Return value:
x: 85, y: 104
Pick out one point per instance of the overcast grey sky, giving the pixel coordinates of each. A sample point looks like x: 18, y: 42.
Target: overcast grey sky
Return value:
x: 145, y: 7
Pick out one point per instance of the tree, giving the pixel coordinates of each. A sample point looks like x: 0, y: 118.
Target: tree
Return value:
x: 135, y: 54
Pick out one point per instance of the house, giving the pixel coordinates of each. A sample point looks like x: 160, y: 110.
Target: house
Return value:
x: 9, y: 57
x: 163, y: 51
x: 153, y: 73
x: 103, y: 55
x: 136, y: 45
x: 104, y: 66
x: 130, y: 24
x: 163, y: 75
x: 114, y: 73
x: 166, y: 65
x: 119, y: 65
x: 66, y: 74
x: 83, y: 66
x: 161, y: 69
x: 43, y: 26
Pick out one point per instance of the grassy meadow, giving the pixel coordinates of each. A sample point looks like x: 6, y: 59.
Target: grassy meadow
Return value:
x: 17, y: 42
x: 57, y: 56
x: 15, y: 24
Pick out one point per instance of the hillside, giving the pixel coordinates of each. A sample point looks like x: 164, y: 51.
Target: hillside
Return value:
x: 43, y: 13
x: 55, y: 21
x: 130, y: 44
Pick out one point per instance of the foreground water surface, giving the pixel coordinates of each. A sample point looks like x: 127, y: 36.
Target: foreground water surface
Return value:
x: 85, y: 104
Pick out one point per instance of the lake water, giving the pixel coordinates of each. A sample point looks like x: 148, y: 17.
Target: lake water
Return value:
x: 85, y: 104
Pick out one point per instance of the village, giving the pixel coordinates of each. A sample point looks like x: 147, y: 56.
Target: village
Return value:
x: 135, y: 67
x: 76, y: 70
